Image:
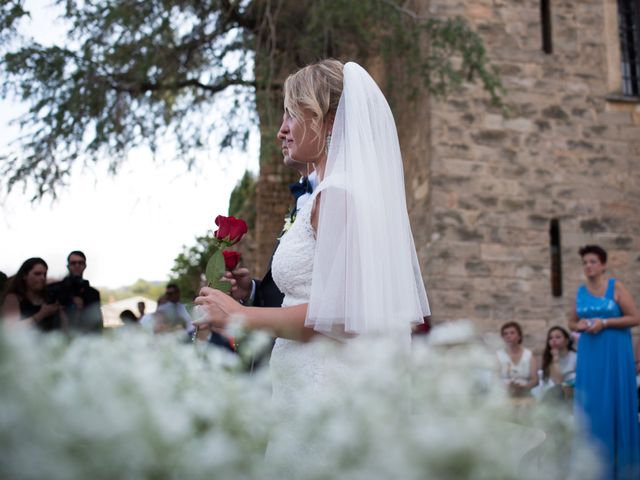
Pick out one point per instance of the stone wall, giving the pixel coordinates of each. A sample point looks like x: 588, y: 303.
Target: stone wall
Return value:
x: 483, y: 192
x: 483, y: 184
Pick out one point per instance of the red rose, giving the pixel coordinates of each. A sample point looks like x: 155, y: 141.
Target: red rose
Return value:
x: 230, y: 229
x: 231, y: 259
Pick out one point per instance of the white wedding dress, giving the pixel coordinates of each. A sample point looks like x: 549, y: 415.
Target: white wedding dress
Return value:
x: 356, y: 290
x: 298, y: 370
x: 293, y: 364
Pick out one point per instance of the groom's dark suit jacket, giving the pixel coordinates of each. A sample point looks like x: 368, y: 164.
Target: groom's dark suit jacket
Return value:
x: 267, y: 293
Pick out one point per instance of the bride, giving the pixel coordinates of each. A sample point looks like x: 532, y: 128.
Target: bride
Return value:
x: 347, y: 266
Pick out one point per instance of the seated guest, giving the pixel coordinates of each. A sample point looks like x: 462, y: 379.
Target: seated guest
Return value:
x: 25, y: 298
x: 558, y: 365
x: 518, y: 367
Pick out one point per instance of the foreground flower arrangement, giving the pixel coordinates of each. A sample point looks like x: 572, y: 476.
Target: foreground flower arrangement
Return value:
x: 128, y: 405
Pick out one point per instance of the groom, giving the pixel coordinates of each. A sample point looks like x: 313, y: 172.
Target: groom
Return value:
x: 265, y: 293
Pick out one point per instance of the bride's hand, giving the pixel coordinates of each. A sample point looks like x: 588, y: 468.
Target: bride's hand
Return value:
x: 218, y: 307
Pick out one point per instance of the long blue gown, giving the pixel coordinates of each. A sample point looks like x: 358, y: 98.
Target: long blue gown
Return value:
x: 605, y: 389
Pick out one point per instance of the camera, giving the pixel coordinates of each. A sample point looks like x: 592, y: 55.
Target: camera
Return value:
x: 64, y: 291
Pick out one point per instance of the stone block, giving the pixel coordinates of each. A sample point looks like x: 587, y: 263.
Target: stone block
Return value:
x: 631, y: 133
x: 520, y: 125
x: 615, y: 114
x: 477, y: 268
x: 466, y: 234
x: 490, y: 137
x: 500, y: 252
x: 493, y: 122
x: 459, y: 167
x: 555, y: 112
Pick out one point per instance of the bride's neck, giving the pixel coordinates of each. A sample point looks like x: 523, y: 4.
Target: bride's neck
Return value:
x: 319, y: 167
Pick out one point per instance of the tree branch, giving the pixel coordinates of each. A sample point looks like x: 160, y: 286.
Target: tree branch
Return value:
x: 404, y: 10
x: 142, y: 87
x: 232, y: 13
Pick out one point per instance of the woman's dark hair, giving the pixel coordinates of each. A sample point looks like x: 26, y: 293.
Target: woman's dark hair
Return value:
x: 4, y: 281
x: 78, y: 253
x: 596, y: 250
x: 515, y: 325
x: 18, y: 285
x: 546, y: 356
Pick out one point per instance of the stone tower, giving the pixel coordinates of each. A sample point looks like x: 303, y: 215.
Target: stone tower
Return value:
x: 500, y: 202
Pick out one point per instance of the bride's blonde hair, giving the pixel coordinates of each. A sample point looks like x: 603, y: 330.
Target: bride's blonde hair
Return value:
x: 316, y: 88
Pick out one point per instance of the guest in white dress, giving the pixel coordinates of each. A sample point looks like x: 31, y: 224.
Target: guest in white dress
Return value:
x: 558, y: 365
x: 518, y: 368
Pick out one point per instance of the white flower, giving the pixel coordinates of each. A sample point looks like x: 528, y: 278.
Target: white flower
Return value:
x: 288, y: 222
x: 129, y: 405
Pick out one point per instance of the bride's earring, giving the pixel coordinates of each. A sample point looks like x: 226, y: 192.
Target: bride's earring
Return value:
x: 327, y: 144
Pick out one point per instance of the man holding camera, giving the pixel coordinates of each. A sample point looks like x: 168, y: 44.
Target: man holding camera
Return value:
x: 80, y: 302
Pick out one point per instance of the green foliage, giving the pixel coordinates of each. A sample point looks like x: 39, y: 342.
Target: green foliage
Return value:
x: 139, y: 73
x: 132, y: 74
x: 141, y: 287
x: 11, y: 12
x: 454, y: 53
x: 242, y: 202
x: 440, y: 53
x: 189, y: 266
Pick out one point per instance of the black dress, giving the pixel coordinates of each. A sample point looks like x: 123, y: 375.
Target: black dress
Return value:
x: 28, y: 309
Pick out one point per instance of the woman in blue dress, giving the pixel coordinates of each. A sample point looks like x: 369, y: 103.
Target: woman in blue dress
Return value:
x: 605, y: 389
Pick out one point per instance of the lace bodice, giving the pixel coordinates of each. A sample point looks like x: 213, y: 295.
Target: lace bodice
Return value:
x: 292, y: 264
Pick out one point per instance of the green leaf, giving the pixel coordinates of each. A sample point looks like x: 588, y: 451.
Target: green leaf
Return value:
x: 222, y: 286
x: 215, y: 270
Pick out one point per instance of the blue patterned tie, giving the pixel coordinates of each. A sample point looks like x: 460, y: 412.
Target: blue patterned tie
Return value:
x: 300, y: 188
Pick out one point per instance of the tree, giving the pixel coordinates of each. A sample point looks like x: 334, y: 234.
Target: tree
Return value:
x: 133, y: 72
x: 189, y: 266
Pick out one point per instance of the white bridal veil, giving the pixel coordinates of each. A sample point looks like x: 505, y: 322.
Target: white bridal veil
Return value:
x: 366, y: 276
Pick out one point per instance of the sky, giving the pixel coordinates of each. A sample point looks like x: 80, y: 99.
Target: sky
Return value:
x: 131, y: 225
